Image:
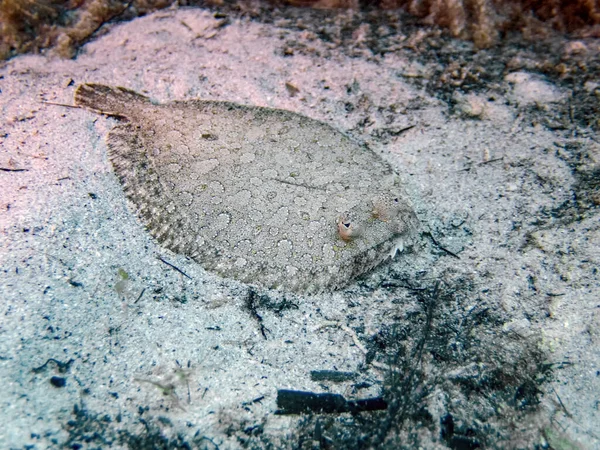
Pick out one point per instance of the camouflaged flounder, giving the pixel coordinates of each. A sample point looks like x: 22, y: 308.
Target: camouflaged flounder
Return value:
x: 265, y: 196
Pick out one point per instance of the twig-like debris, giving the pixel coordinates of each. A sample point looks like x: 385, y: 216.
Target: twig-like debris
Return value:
x: 6, y: 169
x: 255, y: 400
x: 140, y: 296
x: 174, y: 267
x: 298, y: 402
x: 331, y: 375
x: 469, y: 166
x: 251, y: 305
x: 438, y: 245
x: 397, y: 284
x: 489, y: 161
x: 61, y: 366
x: 402, y: 130
x: 562, y: 405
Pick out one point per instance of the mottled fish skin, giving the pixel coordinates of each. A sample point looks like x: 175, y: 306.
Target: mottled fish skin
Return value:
x: 264, y: 196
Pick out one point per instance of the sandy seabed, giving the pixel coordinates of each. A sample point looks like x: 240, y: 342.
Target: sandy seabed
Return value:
x: 490, y: 325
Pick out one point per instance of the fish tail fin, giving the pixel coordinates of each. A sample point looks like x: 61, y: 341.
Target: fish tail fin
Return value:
x: 112, y: 101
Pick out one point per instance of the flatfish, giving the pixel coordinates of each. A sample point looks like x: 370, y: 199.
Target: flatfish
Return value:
x: 265, y: 196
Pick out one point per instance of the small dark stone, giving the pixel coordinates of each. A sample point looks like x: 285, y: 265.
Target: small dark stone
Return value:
x: 299, y: 402
x: 58, y: 382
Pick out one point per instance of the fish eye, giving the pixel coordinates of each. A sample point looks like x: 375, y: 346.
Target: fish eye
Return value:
x: 396, y: 200
x: 347, y: 228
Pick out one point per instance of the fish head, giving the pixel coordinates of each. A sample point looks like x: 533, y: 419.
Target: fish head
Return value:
x: 385, y: 216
